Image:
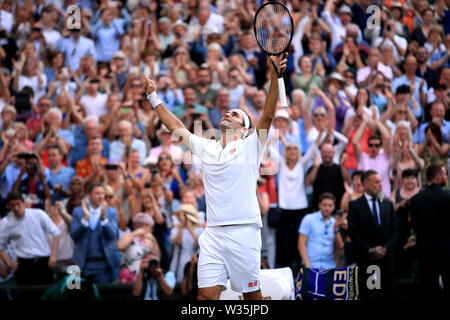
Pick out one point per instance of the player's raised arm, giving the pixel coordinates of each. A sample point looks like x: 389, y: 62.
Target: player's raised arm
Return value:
x: 272, y: 97
x: 172, y: 123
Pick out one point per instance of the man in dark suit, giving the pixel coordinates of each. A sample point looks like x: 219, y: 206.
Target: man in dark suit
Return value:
x: 430, y: 217
x: 95, y: 233
x: 373, y: 230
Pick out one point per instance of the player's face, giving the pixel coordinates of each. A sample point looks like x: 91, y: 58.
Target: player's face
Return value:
x: 231, y: 120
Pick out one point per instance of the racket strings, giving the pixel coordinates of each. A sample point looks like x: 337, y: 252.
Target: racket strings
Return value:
x: 273, y: 28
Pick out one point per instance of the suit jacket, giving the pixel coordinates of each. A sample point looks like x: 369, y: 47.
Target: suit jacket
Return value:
x: 430, y: 217
x: 363, y: 231
x: 108, y: 238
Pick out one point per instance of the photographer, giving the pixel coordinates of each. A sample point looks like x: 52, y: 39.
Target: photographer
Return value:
x: 151, y: 278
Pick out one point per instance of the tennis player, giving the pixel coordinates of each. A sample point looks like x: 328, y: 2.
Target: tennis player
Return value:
x: 230, y: 246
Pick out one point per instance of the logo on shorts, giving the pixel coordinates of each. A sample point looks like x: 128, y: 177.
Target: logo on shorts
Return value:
x: 253, y: 284
x: 232, y: 151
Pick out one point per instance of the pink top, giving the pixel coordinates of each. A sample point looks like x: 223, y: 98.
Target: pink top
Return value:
x: 381, y: 165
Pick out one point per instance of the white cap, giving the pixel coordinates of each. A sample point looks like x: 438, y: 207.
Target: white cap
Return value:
x: 282, y: 114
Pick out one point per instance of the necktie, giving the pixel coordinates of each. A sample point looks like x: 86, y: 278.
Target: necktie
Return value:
x: 375, y: 211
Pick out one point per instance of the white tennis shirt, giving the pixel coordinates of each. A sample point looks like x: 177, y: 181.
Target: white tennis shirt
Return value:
x: 229, y: 176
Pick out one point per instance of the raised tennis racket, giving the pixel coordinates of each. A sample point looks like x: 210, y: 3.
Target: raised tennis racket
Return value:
x: 274, y: 28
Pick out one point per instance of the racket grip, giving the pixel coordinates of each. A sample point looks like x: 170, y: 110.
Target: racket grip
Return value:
x: 282, y: 92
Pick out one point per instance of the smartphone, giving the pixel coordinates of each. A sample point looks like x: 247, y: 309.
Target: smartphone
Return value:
x: 126, y: 110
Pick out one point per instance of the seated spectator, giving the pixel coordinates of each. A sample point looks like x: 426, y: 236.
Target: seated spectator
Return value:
x: 206, y: 95
x: 120, y: 148
x: 169, y: 94
x: 94, y: 232
x: 173, y: 179
x: 351, y: 56
x: 30, y: 75
x: 145, y: 287
x: 92, y: 166
x: 365, y: 76
x: 319, y: 238
x: 107, y: 31
x: 35, y: 257
x: 398, y: 113
x: 135, y: 245
x: 21, y: 136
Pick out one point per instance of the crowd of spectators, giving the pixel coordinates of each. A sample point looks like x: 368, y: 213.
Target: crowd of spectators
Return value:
x: 367, y: 90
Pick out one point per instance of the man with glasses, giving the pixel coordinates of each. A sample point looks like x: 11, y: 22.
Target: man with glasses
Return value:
x: 423, y: 70
x: 380, y: 152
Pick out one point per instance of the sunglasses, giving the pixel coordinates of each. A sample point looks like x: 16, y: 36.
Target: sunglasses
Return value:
x: 376, y: 145
x: 319, y: 114
x: 165, y: 158
x: 291, y: 148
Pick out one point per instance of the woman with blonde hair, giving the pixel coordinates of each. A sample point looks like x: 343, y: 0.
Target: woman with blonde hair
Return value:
x: 398, y: 112
x: 22, y: 135
x: 180, y: 64
x: 291, y: 197
x: 405, y: 157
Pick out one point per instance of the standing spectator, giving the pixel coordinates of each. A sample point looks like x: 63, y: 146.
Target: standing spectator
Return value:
x: 189, y: 108
x: 94, y: 231
x: 167, y: 145
x: 365, y: 75
x: 184, y: 236
x: 59, y: 175
x: 30, y: 75
x: 135, y: 245
x: 353, y: 191
x: 36, y: 258
x: 390, y: 38
x: 380, y: 153
x: 437, y: 113
x: 75, y: 47
x: 327, y: 176
x: 319, y: 238
x: 308, y: 78
x: 373, y: 229
x: 291, y: 198
x: 429, y: 217
x: 107, y: 32
x: 35, y: 185
x: 91, y: 167
x: 206, y: 96
x: 93, y: 102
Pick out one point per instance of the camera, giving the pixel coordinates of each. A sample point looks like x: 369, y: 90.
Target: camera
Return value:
x: 111, y: 166
x: 153, y: 263
x: 195, y: 115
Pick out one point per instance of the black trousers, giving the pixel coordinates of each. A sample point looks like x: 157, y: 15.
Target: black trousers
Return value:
x: 434, y: 262
x: 33, y: 272
x: 287, y: 239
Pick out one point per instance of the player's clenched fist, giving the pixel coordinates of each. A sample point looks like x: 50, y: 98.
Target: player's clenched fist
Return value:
x: 149, y: 86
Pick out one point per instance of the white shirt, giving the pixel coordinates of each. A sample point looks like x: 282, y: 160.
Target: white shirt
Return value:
x: 402, y: 42
x: 29, y: 234
x: 6, y: 20
x: 229, y: 176
x: 51, y: 36
x: 291, y: 185
x: 95, y: 106
x: 363, y: 73
x: 377, y: 203
x: 65, y: 245
x: 33, y: 83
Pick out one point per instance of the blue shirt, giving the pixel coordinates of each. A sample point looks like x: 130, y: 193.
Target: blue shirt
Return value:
x: 419, y: 135
x: 437, y: 56
x: 65, y: 134
x: 169, y: 99
x: 404, y: 80
x: 320, y: 241
x: 117, y: 149
x: 151, y: 287
x: 73, y: 52
x: 108, y: 39
x: 62, y: 177
x: 303, y: 141
x: 78, y: 151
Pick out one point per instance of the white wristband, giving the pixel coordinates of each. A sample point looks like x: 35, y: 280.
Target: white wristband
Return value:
x: 154, y: 99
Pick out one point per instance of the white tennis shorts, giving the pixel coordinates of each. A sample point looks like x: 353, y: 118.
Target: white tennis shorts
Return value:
x: 232, y: 252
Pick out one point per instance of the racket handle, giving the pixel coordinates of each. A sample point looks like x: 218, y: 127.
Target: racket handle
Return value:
x: 282, y: 92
